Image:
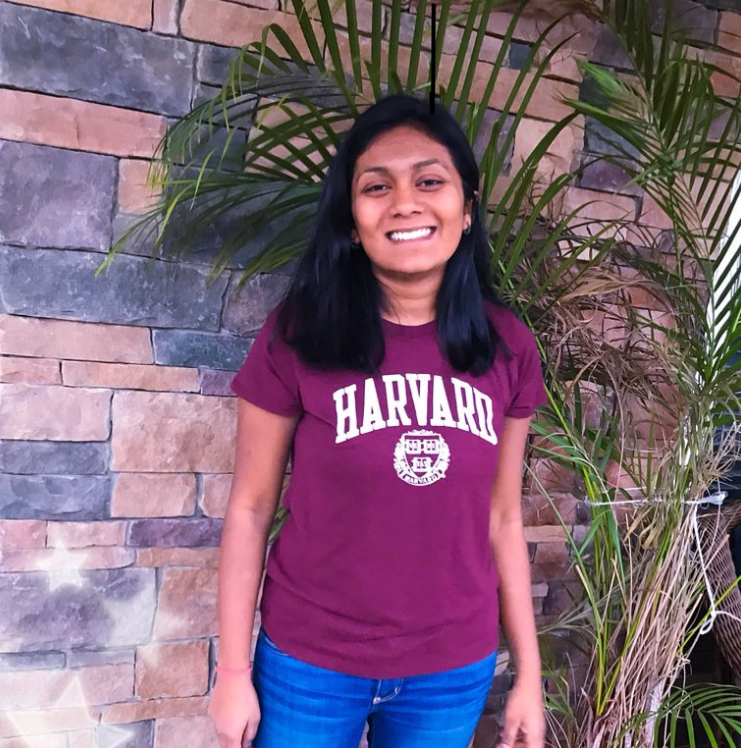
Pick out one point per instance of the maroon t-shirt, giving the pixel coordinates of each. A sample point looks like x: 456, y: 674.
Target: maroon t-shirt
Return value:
x: 384, y: 568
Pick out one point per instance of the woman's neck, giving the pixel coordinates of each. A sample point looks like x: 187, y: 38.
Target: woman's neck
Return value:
x: 410, y: 304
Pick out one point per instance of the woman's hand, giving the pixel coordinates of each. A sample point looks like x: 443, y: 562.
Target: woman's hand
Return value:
x: 524, y: 713
x: 234, y: 710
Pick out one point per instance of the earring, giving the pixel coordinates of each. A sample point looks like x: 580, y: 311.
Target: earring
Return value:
x: 354, y: 245
x: 467, y: 230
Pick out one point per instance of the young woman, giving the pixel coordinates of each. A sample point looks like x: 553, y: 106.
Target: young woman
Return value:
x: 402, y: 386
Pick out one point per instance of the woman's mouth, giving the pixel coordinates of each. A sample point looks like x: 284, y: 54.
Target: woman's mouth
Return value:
x: 416, y: 235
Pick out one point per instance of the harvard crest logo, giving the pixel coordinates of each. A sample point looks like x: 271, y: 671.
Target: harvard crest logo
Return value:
x: 421, y: 457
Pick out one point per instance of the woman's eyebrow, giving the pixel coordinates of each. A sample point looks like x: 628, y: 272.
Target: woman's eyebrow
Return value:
x: 418, y: 165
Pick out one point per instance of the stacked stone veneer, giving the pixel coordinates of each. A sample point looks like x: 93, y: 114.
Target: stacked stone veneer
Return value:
x: 117, y: 426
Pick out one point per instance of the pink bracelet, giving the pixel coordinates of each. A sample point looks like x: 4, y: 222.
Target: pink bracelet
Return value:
x: 222, y: 669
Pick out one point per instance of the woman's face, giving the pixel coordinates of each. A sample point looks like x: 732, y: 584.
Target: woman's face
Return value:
x: 406, y: 180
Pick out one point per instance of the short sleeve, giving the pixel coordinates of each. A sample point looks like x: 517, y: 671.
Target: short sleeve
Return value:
x: 529, y: 391
x: 268, y: 377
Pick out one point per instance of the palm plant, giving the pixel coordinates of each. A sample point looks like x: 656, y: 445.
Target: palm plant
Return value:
x: 679, y: 144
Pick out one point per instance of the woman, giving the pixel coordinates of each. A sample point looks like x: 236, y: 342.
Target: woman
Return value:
x: 403, y: 388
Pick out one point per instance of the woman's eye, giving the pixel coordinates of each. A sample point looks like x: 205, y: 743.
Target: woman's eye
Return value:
x: 372, y: 187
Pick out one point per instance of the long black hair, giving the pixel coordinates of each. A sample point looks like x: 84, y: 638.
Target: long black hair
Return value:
x: 331, y: 311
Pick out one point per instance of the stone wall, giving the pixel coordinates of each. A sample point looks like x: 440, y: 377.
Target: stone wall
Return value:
x: 117, y: 425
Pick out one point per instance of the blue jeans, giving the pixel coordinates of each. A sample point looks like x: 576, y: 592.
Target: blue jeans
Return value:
x: 306, y: 706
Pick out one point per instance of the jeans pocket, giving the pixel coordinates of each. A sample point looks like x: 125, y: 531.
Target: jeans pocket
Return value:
x: 270, y: 644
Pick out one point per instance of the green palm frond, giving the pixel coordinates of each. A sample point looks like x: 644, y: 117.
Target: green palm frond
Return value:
x: 314, y: 104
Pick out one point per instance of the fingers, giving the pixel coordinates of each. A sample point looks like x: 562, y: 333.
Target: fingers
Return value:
x: 251, y: 731
x: 505, y: 740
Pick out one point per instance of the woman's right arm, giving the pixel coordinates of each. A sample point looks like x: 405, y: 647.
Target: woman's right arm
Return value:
x: 262, y: 447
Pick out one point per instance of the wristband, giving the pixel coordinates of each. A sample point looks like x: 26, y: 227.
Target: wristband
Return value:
x: 231, y: 670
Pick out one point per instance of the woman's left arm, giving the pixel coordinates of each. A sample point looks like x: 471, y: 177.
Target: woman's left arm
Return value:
x: 524, y: 711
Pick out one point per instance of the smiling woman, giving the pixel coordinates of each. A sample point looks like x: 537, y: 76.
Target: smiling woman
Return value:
x: 396, y: 378
x: 399, y: 168
x: 409, y: 215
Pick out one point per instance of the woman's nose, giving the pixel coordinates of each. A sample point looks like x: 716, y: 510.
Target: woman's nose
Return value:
x: 406, y: 199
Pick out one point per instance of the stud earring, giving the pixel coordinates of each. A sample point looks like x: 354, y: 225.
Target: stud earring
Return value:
x: 467, y: 230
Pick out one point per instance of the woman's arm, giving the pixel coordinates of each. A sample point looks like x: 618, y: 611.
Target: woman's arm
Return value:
x: 524, y: 710
x: 262, y: 447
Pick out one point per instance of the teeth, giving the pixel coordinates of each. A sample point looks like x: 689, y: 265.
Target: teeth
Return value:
x: 401, y: 235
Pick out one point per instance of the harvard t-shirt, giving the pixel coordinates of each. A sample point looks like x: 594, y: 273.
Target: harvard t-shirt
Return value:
x: 384, y: 568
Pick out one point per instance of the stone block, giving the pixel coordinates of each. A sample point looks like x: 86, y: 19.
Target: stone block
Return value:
x: 176, y: 731
x: 598, y: 174
x: 134, y: 194
x: 78, y: 497
x: 45, y: 724
x: 135, y: 734
x: 156, y: 709
x: 364, y: 12
x: 121, y: 65
x: 729, y: 32
x: 595, y: 210
x: 153, y: 495
x: 538, y: 510
x: 484, y: 137
x: 548, y: 553
x: 692, y: 19
x: 137, y: 13
x: 600, y: 139
x: 653, y: 215
x: 550, y: 572
x: 216, y: 382
x: 545, y: 533
x: 130, y: 376
x: 165, y: 14
x: 54, y: 198
x: 133, y: 290
x: 172, y: 669
x: 173, y: 433
x: 187, y: 603
x: 590, y: 92
x: 609, y: 52
x: 21, y: 534
x: 232, y: 25
x: 62, y: 564
x: 561, y: 153
x: 78, y: 125
x: 216, y: 488
x: 57, y: 689
x: 246, y: 308
x: 84, y: 534
x: 64, y: 458
x: 196, y: 349
x: 112, y: 607
x: 32, y: 661
x: 87, y: 657
x: 199, y: 557
x: 175, y: 533
x: 80, y: 414
x: 213, y: 141
x: 213, y: 62
x: 26, y: 336
x: 30, y: 371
